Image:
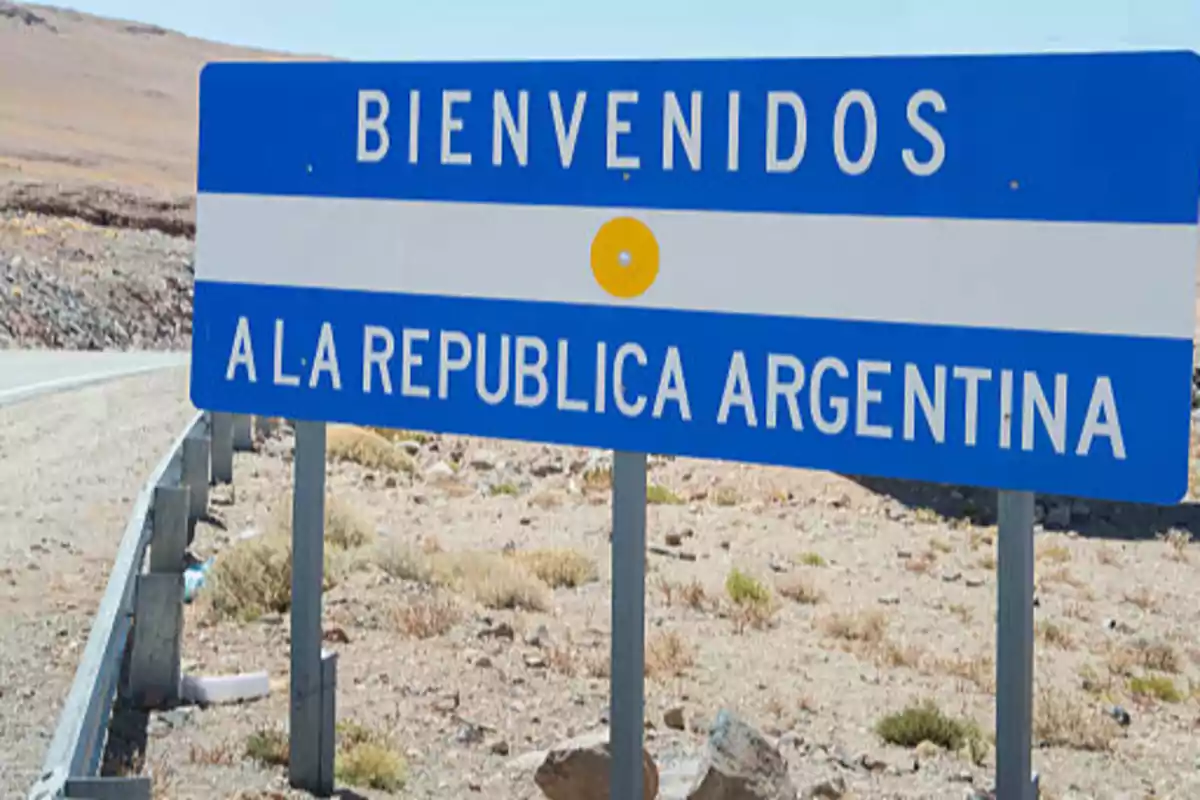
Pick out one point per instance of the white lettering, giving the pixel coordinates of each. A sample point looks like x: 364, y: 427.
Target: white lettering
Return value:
x: 671, y: 386
x: 379, y: 358
x: 735, y: 115
x: 793, y: 101
x: 1006, y: 408
x: 448, y: 363
x: 489, y: 397
x: 1102, y: 402
x: 934, y: 408
x: 737, y: 391
x: 601, y: 376
x: 623, y: 405
x: 840, y: 405
x: 689, y: 133
x: 526, y: 369
x: 242, y: 352
x: 1055, y: 423
x: 414, y: 122
x: 566, y: 403
x: 368, y: 124
x: 777, y: 388
x: 452, y: 124
x: 280, y: 378
x: 972, y: 376
x: 409, y: 359
x: 868, y: 397
x: 567, y: 139
x: 326, y: 360
x: 518, y: 130
x: 927, y: 131
x: 618, y: 126
x: 863, y: 100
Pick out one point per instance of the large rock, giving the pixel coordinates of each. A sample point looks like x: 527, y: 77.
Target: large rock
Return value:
x: 580, y: 768
x: 741, y: 764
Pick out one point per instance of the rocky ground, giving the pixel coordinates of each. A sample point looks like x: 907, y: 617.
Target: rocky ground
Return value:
x: 470, y: 611
x: 67, y: 283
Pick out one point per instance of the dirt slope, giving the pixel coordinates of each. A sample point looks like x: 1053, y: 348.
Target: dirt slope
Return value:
x: 98, y: 101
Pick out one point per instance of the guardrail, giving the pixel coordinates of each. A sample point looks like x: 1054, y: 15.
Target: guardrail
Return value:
x: 133, y: 649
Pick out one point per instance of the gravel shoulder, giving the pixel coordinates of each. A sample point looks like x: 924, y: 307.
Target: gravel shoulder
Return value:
x: 71, y: 465
x: 876, y: 604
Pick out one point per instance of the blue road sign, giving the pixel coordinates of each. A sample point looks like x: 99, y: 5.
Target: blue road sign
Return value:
x: 975, y: 269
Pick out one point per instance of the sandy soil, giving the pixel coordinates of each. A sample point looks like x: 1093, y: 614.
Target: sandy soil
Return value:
x: 913, y: 565
x: 70, y: 467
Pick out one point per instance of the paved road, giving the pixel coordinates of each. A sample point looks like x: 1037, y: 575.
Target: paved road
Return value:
x: 28, y: 373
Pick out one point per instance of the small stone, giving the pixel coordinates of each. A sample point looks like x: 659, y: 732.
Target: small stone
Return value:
x: 1120, y: 715
x: 409, y: 446
x: 501, y: 630
x: 447, y: 702
x: 336, y: 635
x: 483, y: 460
x: 539, y: 638
x: 951, y: 576
x: 484, y: 662
x: 389, y: 482
x: 927, y: 750
x: 580, y: 769
x: 469, y: 733
x: 890, y: 600
x: 499, y: 748
x: 673, y: 718
x: 535, y: 661
x: 740, y: 758
x: 962, y: 777
x: 777, y: 564
x: 685, y: 555
x: 440, y: 470
x: 872, y: 764
x: 832, y: 789
x: 546, y: 468
x: 974, y: 581
x: 904, y: 555
x: 673, y: 539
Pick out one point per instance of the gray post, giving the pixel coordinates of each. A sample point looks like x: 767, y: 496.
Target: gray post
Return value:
x: 1014, y: 648
x: 243, y: 433
x: 328, y: 718
x: 195, y: 473
x: 170, y: 521
x: 627, y: 698
x: 109, y: 788
x: 222, y: 447
x: 305, y: 768
x: 158, y: 623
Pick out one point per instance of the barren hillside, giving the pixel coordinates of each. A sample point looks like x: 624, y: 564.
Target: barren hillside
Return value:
x: 99, y: 101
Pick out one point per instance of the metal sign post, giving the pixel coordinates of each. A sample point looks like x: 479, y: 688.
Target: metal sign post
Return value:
x: 627, y: 688
x: 1014, y: 647
x: 309, y: 756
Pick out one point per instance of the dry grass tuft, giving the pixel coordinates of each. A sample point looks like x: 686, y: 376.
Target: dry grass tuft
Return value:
x: 427, y: 617
x: 865, y: 627
x: 893, y: 654
x: 1054, y: 635
x: 940, y: 545
x: 922, y: 562
x: 1177, y: 540
x: 963, y: 612
x: 598, y: 479
x: 1158, y: 656
x: 1053, y: 554
x: 657, y: 495
x: 366, y: 758
x: 810, y: 560
x: 268, y: 746
x: 979, y: 671
x: 726, y: 496
x: 668, y: 656
x: 221, y: 755
x: 559, y: 567
x: 925, y: 722
x: 1142, y: 598
x: 753, y: 604
x: 1108, y: 556
x: 987, y: 561
x: 367, y: 448
x: 1155, y: 687
x: 345, y: 527
x: 1063, y: 576
x: 691, y: 594
x: 395, y: 435
x: 493, y: 579
x: 1060, y: 720
x: 799, y: 590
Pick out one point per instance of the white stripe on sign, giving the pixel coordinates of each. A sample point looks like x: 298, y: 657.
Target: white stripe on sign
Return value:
x: 1093, y: 278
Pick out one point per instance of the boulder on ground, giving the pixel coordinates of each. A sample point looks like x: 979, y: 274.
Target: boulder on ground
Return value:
x: 741, y: 764
x: 580, y: 769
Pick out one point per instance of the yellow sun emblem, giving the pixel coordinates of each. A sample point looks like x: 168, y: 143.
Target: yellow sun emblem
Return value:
x: 625, y: 257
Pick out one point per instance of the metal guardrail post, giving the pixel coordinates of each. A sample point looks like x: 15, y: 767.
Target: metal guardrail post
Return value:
x: 222, y: 447
x: 243, y: 433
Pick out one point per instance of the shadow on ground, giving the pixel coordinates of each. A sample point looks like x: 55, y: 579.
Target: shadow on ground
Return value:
x: 1090, y: 518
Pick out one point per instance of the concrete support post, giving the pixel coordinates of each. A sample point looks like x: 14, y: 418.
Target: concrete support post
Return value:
x: 222, y: 447
x: 158, y: 623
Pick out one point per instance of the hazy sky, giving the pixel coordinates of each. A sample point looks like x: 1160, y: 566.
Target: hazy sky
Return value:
x: 457, y: 29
